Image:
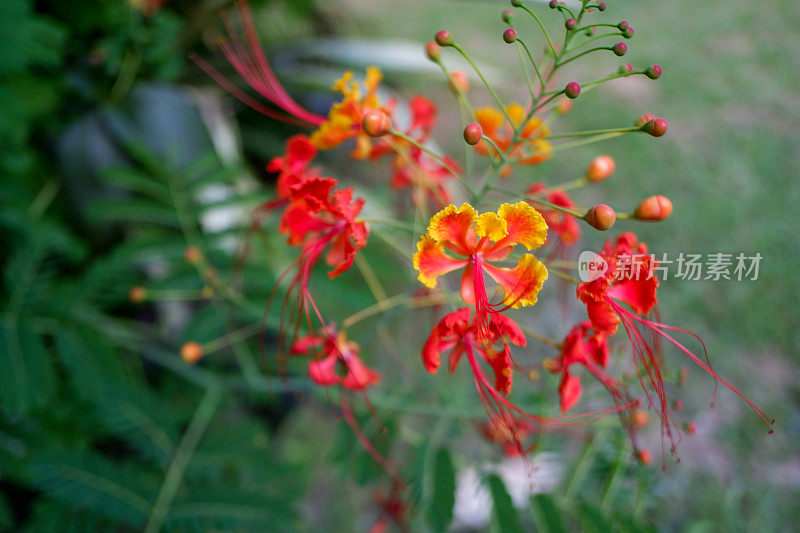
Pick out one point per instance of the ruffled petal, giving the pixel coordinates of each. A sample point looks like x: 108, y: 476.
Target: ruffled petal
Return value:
x: 492, y: 226
x: 359, y: 376
x: 453, y: 226
x: 323, y: 371
x: 525, y: 225
x: 503, y: 327
x: 602, y: 316
x: 431, y: 261
x: 640, y: 294
x: 521, y: 283
x: 503, y: 367
x: 569, y: 390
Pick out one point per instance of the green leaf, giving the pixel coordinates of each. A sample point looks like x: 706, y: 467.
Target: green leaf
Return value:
x: 440, y: 512
x: 123, y: 492
x: 92, y: 366
x: 135, y: 181
x: 134, y: 211
x: 504, y: 512
x: 26, y: 371
x: 548, y: 512
x: 592, y: 518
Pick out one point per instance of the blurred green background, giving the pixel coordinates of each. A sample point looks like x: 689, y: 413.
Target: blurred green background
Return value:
x: 116, y: 152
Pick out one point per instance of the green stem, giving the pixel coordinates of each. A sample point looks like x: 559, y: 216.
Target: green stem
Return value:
x: 177, y: 467
x: 546, y: 35
x: 486, y: 83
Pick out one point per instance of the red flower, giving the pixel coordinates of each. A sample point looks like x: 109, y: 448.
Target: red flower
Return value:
x: 293, y: 167
x: 337, y: 361
x: 630, y: 281
x: 564, y: 226
x: 462, y: 335
x: 317, y: 215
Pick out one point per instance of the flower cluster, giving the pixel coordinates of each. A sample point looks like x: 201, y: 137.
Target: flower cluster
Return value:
x: 500, y: 277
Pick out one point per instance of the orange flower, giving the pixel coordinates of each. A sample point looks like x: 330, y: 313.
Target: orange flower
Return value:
x: 345, y: 117
x: 529, y: 150
x: 478, y: 241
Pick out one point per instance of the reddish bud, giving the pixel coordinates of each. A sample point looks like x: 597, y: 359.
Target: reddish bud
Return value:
x: 443, y: 38
x: 191, y: 352
x: 628, y: 32
x: 516, y: 3
x: 601, y: 6
x: 510, y: 35
x: 137, y: 294
x: 600, y: 217
x: 623, y: 25
x: 620, y: 49
x: 473, y: 133
x: 376, y: 123
x: 506, y: 16
x: 640, y: 418
x: 625, y: 68
x: 656, y: 127
x: 644, y: 456
x: 653, y: 72
x: 572, y: 90
x: 601, y: 168
x: 192, y: 254
x: 433, y: 51
x: 644, y: 119
x: 460, y: 80
x: 570, y: 23
x: 691, y: 428
x: 654, y: 208
x: 563, y: 107
x: 552, y: 4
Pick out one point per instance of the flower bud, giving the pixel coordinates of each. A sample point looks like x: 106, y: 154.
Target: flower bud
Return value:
x: 620, y: 49
x: 628, y: 32
x: 589, y: 31
x: 191, y: 352
x: 376, y: 123
x: 570, y: 23
x: 433, y: 51
x: 600, y: 217
x: 691, y: 428
x: 510, y: 35
x: 460, y: 81
x: 572, y: 90
x: 640, y: 418
x: 654, y: 208
x: 552, y: 4
x: 601, y: 6
x: 644, y: 456
x: 601, y: 168
x: 473, y: 133
x: 644, y: 119
x: 443, y: 38
x: 653, y: 72
x: 506, y: 16
x: 563, y: 107
x: 623, y: 25
x: 516, y: 3
x: 137, y: 294
x: 192, y: 254
x: 625, y: 68
x: 656, y: 127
